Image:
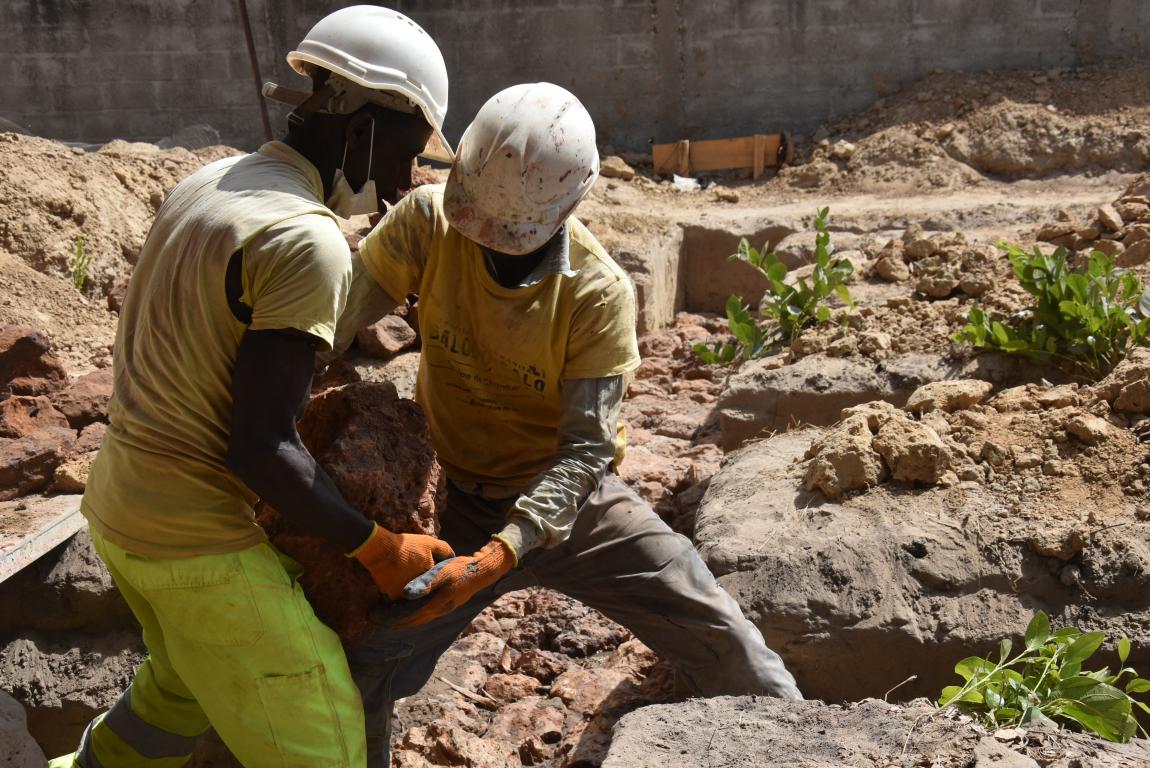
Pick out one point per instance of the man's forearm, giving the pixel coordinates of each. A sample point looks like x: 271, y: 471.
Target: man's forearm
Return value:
x: 545, y: 513
x: 286, y: 476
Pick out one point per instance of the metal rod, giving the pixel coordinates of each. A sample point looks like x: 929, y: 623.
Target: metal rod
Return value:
x: 255, y: 68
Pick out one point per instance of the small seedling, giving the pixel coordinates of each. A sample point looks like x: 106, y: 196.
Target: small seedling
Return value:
x: 1046, y: 681
x: 787, y: 307
x: 80, y: 263
x: 1083, y: 319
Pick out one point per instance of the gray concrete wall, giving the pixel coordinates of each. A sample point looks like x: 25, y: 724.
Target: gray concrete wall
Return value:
x: 93, y: 70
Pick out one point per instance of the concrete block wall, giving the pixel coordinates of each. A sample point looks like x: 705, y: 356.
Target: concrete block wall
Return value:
x: 93, y: 70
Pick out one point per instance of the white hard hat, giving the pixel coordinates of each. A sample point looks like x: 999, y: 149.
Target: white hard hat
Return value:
x: 523, y: 164
x: 379, y: 55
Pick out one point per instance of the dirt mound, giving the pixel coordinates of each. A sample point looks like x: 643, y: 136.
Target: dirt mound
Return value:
x: 377, y: 450
x: 752, y: 732
x: 952, y: 129
x: 53, y: 197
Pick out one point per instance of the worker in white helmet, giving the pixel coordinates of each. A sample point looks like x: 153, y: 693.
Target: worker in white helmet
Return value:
x: 528, y: 329
x: 239, y: 284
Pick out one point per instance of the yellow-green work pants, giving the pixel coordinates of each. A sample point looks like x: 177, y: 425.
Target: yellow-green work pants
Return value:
x: 232, y: 643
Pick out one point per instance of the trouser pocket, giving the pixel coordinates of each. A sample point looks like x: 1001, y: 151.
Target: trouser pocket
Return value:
x: 302, y: 719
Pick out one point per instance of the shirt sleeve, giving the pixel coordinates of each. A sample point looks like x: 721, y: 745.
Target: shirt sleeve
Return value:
x: 602, y: 340
x: 296, y: 275
x: 545, y: 514
x: 396, y: 251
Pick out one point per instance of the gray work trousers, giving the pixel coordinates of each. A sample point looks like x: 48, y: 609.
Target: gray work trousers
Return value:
x: 620, y: 559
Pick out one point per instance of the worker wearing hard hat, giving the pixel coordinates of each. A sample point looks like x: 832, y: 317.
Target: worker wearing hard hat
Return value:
x: 240, y: 282
x: 528, y: 329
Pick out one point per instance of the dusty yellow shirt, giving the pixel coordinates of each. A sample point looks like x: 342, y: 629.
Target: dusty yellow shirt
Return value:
x: 494, y: 357
x: 159, y: 486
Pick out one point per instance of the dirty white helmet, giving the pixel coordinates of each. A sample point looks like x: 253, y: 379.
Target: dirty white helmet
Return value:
x: 523, y: 165
x: 375, y: 55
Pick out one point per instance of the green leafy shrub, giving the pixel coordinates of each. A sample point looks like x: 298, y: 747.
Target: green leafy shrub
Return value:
x: 1084, y: 319
x: 80, y: 263
x: 1046, y: 681
x: 787, y: 307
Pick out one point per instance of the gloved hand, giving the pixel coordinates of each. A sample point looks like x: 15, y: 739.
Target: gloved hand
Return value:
x: 394, y: 559
x: 453, y: 582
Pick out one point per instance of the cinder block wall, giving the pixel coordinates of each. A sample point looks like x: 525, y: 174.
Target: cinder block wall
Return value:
x: 93, y: 70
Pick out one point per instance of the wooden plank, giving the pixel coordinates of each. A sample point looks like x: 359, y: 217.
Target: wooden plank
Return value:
x: 32, y: 526
x: 721, y: 154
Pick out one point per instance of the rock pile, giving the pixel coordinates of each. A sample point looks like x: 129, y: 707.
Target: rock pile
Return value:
x: 1121, y: 229
x: 49, y: 428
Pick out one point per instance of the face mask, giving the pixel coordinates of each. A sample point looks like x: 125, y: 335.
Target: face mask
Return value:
x: 345, y: 202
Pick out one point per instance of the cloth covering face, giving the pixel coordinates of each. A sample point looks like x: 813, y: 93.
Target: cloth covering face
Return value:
x: 159, y: 486
x: 493, y: 357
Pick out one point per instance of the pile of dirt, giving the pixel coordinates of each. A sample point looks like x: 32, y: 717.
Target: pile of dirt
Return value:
x: 377, y: 450
x: 953, y: 129
x: 53, y: 198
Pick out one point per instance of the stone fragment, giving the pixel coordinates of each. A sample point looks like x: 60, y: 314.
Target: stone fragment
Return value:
x: 17, y: 747
x: 1088, y: 428
x: 510, y: 687
x: 86, y: 400
x: 948, y: 396
x: 533, y: 717
x: 541, y: 665
x: 1132, y: 211
x: 386, y: 338
x: 892, y: 268
x: 377, y: 449
x: 1110, y: 247
x: 870, y: 342
x: 1109, y: 219
x: 28, y: 464
x: 842, y: 150
x: 1055, y: 231
x: 90, y: 437
x: 1134, y: 255
x: 877, y: 413
x: 1127, y: 387
x: 118, y: 293
x: 23, y: 415
x: 1058, y: 397
x: 1136, y: 233
x: 72, y: 475
x: 27, y: 365
x: 912, y: 451
x: 614, y: 167
x: 843, y: 459
x: 585, y: 690
x: 937, y: 285
x: 920, y: 248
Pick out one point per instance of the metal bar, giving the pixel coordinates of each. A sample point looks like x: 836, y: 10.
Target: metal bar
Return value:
x: 255, y: 68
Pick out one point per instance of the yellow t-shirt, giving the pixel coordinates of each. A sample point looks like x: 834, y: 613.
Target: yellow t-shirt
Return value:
x: 159, y: 486
x: 493, y: 357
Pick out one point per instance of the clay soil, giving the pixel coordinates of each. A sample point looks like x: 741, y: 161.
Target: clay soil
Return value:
x: 920, y: 186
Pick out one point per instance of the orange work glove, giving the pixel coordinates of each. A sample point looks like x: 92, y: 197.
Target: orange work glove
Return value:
x: 393, y: 559
x: 453, y: 582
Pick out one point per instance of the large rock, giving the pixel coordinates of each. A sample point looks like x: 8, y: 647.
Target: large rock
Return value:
x: 17, y: 747
x: 28, y: 464
x: 859, y: 594
x: 912, y: 451
x: 759, y: 399
x: 27, y: 365
x: 24, y: 415
x: 1127, y: 388
x: 86, y: 400
x: 377, y: 449
x: 748, y: 732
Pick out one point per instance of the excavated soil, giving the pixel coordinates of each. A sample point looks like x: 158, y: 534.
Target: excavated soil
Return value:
x: 946, y: 545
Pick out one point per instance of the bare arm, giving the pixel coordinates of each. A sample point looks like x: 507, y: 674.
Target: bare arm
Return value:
x: 270, y: 387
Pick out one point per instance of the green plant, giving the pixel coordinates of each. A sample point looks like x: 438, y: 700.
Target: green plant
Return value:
x: 80, y: 263
x: 1084, y: 318
x: 792, y: 306
x: 1046, y: 681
